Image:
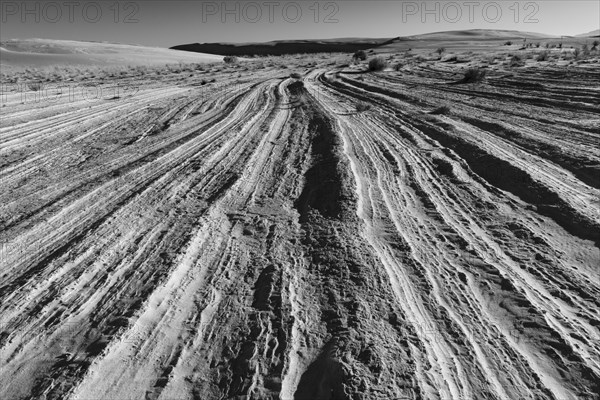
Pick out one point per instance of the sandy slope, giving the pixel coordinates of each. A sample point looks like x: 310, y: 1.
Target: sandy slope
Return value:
x: 43, y: 53
x: 257, y: 238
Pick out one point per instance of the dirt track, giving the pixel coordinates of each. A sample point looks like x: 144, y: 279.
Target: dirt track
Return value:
x: 258, y: 238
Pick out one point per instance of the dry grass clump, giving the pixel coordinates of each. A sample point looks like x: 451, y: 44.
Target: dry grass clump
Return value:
x: 377, y: 64
x: 474, y: 75
x: 543, y: 56
x: 34, y: 86
x: 362, y: 106
x: 516, y: 61
x: 443, y: 110
x: 360, y: 55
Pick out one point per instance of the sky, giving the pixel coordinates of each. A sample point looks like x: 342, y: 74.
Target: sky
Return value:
x: 168, y: 23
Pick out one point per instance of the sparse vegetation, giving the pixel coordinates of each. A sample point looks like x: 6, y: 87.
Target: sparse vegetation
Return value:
x: 230, y: 59
x: 296, y: 88
x: 585, y: 50
x: 543, y: 56
x: 443, y: 110
x: 34, y: 86
x: 474, y: 75
x: 440, y: 50
x: 508, y: 43
x: 516, y: 61
x: 360, y: 55
x: 377, y: 64
x: 362, y: 106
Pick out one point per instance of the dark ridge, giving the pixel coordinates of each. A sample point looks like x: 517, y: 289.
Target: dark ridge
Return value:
x: 279, y: 48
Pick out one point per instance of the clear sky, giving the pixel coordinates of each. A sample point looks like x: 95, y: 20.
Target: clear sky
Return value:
x: 167, y: 23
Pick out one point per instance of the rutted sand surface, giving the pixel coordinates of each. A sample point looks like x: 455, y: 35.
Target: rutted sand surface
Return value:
x: 258, y: 238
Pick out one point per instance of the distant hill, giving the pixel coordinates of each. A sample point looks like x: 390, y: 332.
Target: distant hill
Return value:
x: 349, y: 45
x: 478, y: 34
x: 595, y: 33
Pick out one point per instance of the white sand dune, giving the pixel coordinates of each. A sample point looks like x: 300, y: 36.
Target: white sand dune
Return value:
x: 40, y: 53
x: 479, y: 34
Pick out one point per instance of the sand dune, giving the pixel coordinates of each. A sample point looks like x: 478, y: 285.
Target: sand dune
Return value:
x: 43, y: 53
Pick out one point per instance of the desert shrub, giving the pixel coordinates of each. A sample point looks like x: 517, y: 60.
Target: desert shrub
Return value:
x: 474, y: 75
x: 443, y: 110
x: 377, y: 64
x: 296, y: 88
x: 595, y: 45
x: 509, y: 43
x: 398, y: 67
x: 34, y: 86
x: 230, y: 59
x: 295, y: 75
x: 538, y: 44
x: 516, y: 60
x: 585, y: 49
x: 360, y: 55
x: 576, y: 52
x: 543, y: 56
x: 440, y: 51
x: 362, y: 106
